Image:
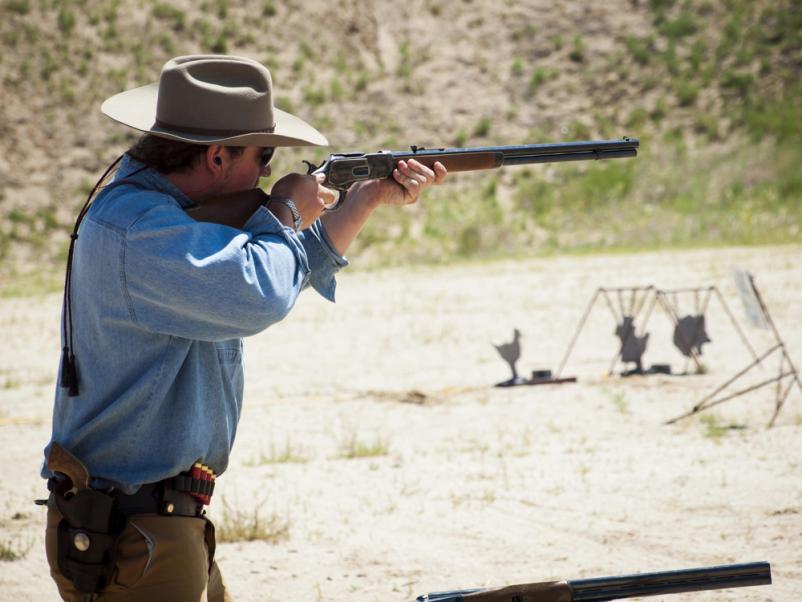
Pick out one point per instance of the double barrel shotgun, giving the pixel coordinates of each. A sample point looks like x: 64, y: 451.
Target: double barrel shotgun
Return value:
x: 601, y: 589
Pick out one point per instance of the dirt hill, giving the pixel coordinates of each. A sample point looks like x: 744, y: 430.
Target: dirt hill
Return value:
x: 697, y: 73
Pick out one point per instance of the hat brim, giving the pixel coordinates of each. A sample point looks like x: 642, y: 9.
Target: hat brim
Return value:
x: 136, y: 108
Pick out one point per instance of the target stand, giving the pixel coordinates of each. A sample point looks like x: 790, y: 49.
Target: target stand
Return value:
x: 626, y: 304
x: 632, y: 307
x: 787, y: 374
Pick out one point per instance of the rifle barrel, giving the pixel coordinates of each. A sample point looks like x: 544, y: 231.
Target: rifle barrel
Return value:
x: 491, y: 157
x: 671, y: 582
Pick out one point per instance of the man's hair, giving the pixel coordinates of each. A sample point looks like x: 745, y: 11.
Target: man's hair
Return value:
x: 168, y: 156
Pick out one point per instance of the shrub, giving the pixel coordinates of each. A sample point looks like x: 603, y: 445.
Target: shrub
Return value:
x: 637, y: 117
x: 66, y: 20
x: 640, y: 48
x: 250, y: 525
x: 220, y: 45
x: 684, y: 25
x: 577, y: 53
x: 285, y: 104
x: 482, y: 128
x: 686, y: 92
x: 740, y: 83
x: 697, y: 55
x: 707, y: 125
x: 539, y: 75
x: 659, y: 111
x: 21, y: 7
x: 268, y: 8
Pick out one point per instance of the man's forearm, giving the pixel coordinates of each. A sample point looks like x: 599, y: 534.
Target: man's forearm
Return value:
x: 343, y: 225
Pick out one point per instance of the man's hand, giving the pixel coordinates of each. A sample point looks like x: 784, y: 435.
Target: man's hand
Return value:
x: 309, y: 196
x: 410, y: 178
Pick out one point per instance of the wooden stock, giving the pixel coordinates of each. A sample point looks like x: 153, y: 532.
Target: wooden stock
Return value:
x: 551, y: 591
x: 235, y: 209
x: 230, y: 210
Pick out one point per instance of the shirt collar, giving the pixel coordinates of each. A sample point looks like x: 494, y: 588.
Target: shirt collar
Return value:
x: 135, y: 171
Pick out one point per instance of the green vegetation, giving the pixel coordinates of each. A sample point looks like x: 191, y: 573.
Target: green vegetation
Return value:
x: 669, y: 196
x: 288, y: 454
x: 351, y: 447
x: 619, y: 399
x: 539, y: 76
x: 14, y: 549
x: 482, y: 128
x: 714, y: 429
x: 577, y: 53
x: 711, y: 88
x: 250, y: 525
x: 21, y: 7
x: 268, y: 8
x: 641, y: 49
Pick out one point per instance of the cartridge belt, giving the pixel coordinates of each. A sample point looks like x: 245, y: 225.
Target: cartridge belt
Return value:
x: 156, y: 498
x: 182, y: 495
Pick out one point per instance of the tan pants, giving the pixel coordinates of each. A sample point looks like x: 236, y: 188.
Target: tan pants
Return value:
x: 158, y: 558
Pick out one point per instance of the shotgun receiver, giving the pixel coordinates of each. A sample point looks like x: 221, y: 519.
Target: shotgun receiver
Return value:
x: 614, y: 588
x: 343, y: 170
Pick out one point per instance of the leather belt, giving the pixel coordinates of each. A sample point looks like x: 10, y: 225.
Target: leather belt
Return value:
x: 182, y: 495
x: 158, y: 498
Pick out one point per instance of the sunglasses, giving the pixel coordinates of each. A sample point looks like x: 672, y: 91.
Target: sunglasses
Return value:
x: 267, y: 156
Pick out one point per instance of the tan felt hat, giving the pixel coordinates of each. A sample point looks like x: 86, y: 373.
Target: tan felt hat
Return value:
x: 212, y: 99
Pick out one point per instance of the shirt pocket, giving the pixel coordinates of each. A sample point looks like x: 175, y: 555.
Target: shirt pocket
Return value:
x: 229, y: 358
x: 229, y: 352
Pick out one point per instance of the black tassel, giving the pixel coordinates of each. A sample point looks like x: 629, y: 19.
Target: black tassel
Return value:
x: 69, y: 372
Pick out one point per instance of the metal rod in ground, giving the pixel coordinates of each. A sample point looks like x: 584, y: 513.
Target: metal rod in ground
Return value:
x: 735, y: 324
x: 576, y: 334
x: 701, y: 405
x: 781, y: 402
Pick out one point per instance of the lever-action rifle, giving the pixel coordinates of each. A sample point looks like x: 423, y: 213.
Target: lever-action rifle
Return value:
x: 614, y: 588
x: 343, y: 170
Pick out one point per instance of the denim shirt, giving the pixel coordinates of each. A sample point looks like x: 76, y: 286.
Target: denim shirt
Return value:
x: 159, y: 305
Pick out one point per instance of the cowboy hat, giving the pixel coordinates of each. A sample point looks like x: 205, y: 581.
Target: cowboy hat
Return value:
x: 212, y: 99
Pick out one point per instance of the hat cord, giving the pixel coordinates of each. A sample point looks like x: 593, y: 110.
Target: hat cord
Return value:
x: 69, y: 370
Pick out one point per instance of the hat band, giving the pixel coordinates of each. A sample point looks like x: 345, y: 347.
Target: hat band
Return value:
x: 212, y: 132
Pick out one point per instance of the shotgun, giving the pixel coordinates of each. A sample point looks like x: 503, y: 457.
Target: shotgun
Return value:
x: 343, y: 170
x: 614, y: 588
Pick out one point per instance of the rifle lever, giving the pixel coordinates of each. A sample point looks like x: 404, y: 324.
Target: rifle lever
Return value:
x: 336, y: 204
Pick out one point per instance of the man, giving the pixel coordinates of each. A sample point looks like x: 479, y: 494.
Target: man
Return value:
x: 156, y: 304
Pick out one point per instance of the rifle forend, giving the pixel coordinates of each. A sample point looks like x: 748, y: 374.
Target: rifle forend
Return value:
x: 615, y: 588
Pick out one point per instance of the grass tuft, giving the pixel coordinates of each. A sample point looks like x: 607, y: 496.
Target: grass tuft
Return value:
x: 250, y: 525
x: 352, y: 447
x: 288, y: 454
x: 14, y: 549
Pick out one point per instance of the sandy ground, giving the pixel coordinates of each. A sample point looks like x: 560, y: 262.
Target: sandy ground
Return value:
x: 472, y: 485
